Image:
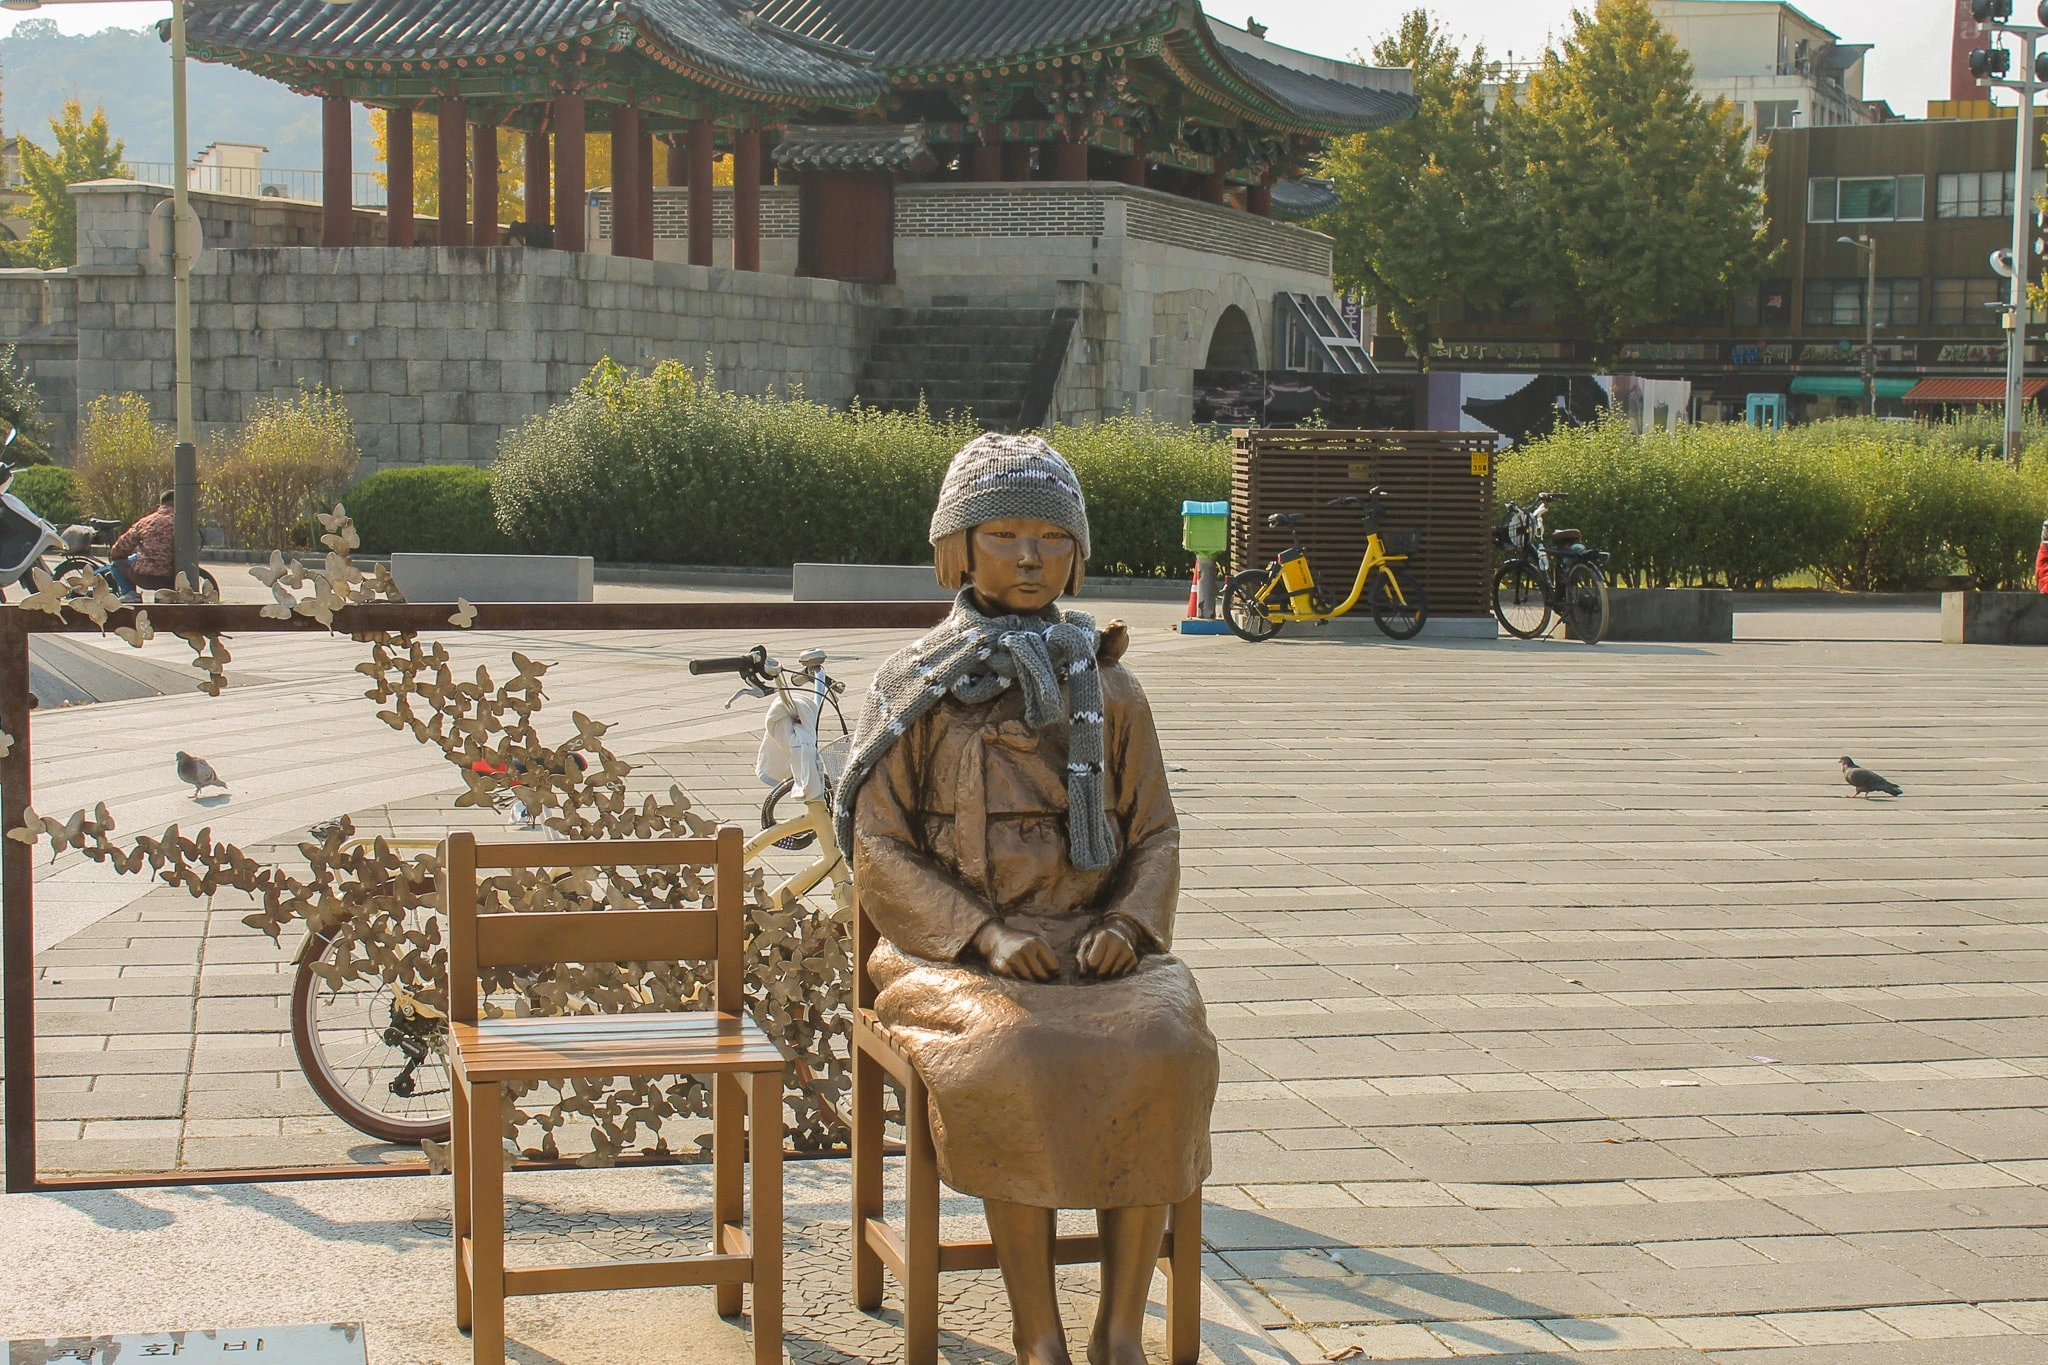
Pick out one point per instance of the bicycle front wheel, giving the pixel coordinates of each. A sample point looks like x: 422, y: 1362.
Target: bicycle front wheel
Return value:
x: 1247, y: 615
x: 1585, y: 602
x: 382, y: 1069
x: 1521, y: 600
x: 1398, y: 612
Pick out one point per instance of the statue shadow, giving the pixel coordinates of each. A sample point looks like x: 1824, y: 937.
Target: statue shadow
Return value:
x: 1347, y: 1282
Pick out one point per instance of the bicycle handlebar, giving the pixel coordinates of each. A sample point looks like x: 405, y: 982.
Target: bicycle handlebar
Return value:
x: 753, y: 661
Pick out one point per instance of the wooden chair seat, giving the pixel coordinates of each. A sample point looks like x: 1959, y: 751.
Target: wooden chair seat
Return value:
x: 743, y: 1063
x: 699, y: 1043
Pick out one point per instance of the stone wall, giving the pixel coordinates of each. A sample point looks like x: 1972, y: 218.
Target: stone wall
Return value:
x: 39, y: 318
x: 437, y: 350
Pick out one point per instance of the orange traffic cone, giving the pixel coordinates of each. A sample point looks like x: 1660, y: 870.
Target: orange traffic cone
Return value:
x: 1194, y: 593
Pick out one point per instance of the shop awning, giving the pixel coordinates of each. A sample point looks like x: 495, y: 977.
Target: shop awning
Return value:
x: 1845, y: 386
x: 1970, y: 390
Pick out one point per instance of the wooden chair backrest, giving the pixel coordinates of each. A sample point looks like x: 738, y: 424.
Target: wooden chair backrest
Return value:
x: 477, y: 943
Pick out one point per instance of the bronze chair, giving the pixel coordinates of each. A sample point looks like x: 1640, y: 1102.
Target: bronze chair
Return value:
x: 745, y: 1065
x: 915, y: 1254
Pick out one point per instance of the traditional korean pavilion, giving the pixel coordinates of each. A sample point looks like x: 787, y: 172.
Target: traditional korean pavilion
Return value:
x: 848, y: 98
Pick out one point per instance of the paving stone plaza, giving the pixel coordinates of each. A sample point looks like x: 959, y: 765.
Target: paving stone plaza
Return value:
x: 1567, y: 1006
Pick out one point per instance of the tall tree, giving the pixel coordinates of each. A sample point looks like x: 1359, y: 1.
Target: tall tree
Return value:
x: 84, y: 150
x: 1419, y: 196
x: 1632, y: 201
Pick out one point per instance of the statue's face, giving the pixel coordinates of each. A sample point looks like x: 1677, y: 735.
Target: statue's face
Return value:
x: 1020, y: 564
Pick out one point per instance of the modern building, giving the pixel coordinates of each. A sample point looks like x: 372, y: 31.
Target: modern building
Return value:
x: 1776, y: 65
x: 1933, y: 197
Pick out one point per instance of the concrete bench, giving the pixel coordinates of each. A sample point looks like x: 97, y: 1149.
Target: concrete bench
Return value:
x: 1994, y: 618
x: 493, y: 578
x: 1689, y: 615
x: 865, y: 583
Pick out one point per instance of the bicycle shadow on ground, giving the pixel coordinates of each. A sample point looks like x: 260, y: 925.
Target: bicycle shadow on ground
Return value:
x: 1340, y: 1282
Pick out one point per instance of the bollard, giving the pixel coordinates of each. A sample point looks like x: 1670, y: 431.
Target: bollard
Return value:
x: 185, y: 513
x: 1205, y: 587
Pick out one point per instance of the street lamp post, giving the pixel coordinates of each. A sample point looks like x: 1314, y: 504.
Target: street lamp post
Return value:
x: 1865, y: 243
x: 184, y: 234
x: 1992, y: 65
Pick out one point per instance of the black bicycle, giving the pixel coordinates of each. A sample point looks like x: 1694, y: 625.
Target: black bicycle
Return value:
x: 1548, y: 573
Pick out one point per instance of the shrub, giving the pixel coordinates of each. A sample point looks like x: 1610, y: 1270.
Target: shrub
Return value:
x: 21, y: 408
x: 444, y: 508
x: 1866, y: 505
x: 291, y: 457
x: 124, y: 457
x: 666, y: 468
x: 51, y: 491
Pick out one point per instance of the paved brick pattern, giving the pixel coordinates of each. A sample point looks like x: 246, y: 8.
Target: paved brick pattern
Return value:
x: 1567, y: 1006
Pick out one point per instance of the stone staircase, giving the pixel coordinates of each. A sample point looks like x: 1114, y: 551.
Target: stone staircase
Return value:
x: 997, y: 365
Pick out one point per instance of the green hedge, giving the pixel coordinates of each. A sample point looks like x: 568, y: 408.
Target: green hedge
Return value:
x: 52, y: 491
x: 666, y: 468
x: 1861, y: 504
x: 436, y: 508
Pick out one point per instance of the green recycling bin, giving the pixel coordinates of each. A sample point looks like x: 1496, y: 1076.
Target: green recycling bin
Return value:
x: 1205, y: 527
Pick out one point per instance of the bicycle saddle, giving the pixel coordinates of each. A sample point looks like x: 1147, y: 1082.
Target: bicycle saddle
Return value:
x: 1286, y: 519
x: 1571, y: 537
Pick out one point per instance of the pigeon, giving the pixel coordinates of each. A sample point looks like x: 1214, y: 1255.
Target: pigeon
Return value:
x: 198, y: 772
x: 1866, y: 782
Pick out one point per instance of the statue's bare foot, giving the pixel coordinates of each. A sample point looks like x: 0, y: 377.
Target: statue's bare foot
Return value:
x: 1110, y: 1346
x: 1049, y: 1350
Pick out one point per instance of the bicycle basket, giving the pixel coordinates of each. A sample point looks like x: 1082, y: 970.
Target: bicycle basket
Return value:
x: 833, y: 756
x: 1503, y: 538
x: 1401, y: 542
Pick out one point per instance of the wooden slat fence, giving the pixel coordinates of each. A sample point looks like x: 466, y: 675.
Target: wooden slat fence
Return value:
x: 1438, y: 482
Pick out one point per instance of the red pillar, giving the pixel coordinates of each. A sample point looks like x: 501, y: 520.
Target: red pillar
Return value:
x: 484, y: 158
x: 337, y: 173
x: 1258, y: 199
x: 643, y: 195
x: 1134, y: 171
x: 1016, y: 161
x: 746, y: 200
x: 569, y: 186
x: 1213, y: 189
x: 986, y: 161
x: 678, y: 159
x: 1070, y: 161
x: 537, y: 176
x: 398, y: 174
x: 701, y: 153
x: 625, y: 180
x: 454, y: 173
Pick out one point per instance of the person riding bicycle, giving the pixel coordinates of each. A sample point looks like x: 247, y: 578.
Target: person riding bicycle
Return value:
x: 2041, y: 561
x: 144, y: 556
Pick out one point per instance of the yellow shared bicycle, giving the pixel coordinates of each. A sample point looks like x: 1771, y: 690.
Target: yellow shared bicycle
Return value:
x: 1258, y: 602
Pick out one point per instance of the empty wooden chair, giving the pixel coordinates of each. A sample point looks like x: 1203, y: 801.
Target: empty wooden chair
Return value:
x: 484, y: 1055
x: 915, y: 1254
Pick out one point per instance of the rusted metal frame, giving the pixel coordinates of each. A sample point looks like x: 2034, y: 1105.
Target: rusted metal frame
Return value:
x: 17, y: 860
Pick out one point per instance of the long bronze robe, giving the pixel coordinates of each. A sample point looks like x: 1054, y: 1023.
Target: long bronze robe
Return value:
x: 1072, y: 1093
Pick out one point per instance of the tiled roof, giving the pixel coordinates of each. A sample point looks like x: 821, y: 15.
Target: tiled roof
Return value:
x: 912, y: 33
x: 1296, y: 200
x: 857, y: 147
x: 1326, y: 101
x: 718, y: 38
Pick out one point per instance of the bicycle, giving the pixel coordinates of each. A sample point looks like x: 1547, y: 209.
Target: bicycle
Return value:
x: 377, y: 1055
x: 1549, y: 573
x: 1258, y: 602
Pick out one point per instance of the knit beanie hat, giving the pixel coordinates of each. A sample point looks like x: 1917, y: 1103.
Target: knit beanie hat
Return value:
x: 995, y: 477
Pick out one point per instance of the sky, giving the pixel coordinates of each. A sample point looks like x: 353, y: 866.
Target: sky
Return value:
x: 1908, y: 67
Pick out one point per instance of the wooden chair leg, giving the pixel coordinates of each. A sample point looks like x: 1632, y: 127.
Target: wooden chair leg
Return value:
x: 920, y: 1232
x: 458, y: 1153
x: 867, y: 1177
x: 764, y: 1125
x: 728, y: 1196
x: 1184, y: 1284
x: 487, y: 1224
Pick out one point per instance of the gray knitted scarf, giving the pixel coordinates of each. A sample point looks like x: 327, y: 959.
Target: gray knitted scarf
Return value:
x: 977, y: 658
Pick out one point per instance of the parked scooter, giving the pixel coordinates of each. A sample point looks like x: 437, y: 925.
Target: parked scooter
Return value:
x: 24, y: 537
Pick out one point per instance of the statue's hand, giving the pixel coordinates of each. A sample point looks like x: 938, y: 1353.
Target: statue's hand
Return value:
x: 1012, y: 952
x: 1107, y: 951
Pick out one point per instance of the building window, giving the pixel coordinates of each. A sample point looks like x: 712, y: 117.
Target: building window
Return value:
x: 1974, y: 194
x: 1867, y: 199
x: 1839, y: 303
x: 1772, y: 114
x: 1767, y: 305
x: 1966, y: 303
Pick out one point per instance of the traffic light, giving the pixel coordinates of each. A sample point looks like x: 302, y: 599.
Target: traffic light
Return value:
x: 1990, y: 62
x: 2041, y: 58
x: 1991, y: 11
